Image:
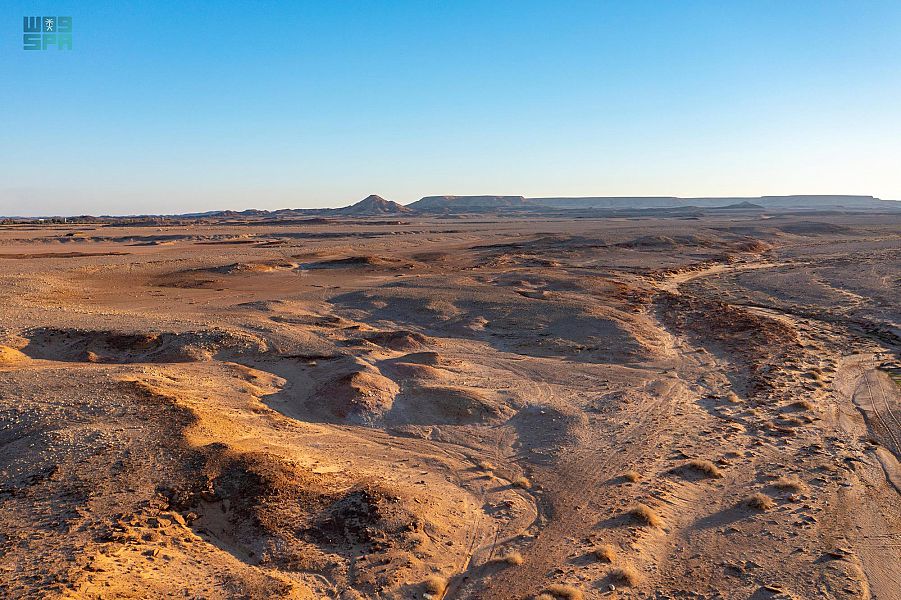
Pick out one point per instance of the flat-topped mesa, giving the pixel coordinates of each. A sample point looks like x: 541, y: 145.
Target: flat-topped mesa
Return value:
x: 487, y: 203
x: 374, y: 205
x: 469, y: 203
x: 770, y: 202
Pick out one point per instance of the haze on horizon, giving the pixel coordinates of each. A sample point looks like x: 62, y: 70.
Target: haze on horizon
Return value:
x: 174, y: 107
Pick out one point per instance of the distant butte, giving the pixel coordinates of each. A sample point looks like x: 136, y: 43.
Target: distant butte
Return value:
x: 374, y: 205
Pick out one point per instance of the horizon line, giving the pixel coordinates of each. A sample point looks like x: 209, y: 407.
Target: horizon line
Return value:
x: 448, y: 196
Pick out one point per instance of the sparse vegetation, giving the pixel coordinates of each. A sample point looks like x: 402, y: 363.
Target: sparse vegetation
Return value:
x: 704, y: 467
x: 605, y: 552
x: 803, y: 405
x: 759, y: 501
x: 564, y: 592
x: 626, y: 575
x: 522, y: 482
x: 435, y: 585
x: 790, y: 483
x: 645, y: 514
x: 733, y: 398
x: 632, y: 476
x: 512, y: 558
x: 486, y: 465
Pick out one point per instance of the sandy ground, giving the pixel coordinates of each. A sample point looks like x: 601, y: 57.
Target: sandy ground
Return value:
x: 479, y: 407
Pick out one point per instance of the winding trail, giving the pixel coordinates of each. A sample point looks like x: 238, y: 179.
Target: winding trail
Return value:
x: 578, y: 479
x: 582, y: 476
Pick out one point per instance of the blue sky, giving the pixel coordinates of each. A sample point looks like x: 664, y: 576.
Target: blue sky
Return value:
x: 181, y: 106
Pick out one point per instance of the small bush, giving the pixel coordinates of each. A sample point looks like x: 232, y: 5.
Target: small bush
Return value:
x: 644, y: 514
x: 705, y: 467
x: 606, y: 553
x: 803, y: 405
x: 512, y: 558
x: 632, y: 476
x: 486, y: 465
x: 791, y: 483
x: 566, y: 592
x: 522, y: 482
x: 626, y: 575
x: 435, y: 584
x: 759, y: 501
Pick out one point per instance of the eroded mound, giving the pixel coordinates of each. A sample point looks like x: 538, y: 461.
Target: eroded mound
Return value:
x: 444, y: 404
x: 254, y: 267
x: 554, y: 327
x: 359, y: 261
x: 545, y: 243
x: 368, y: 537
x: 207, y: 276
x: 814, y: 228
x: 11, y: 357
x: 400, y: 340
x: 662, y: 242
x: 758, y: 346
x: 246, y: 500
x: 752, y: 245
x: 61, y: 255
x: 93, y: 346
x: 424, y: 358
x: 362, y: 396
x: 410, y: 370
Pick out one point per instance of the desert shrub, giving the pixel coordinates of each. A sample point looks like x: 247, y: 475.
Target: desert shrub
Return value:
x: 759, y: 501
x: 486, y: 465
x: 605, y: 552
x: 417, y: 539
x: 435, y: 584
x: 803, y: 405
x: 564, y: 592
x: 790, y: 483
x: 704, y: 467
x: 512, y: 558
x: 522, y: 482
x: 626, y: 575
x: 632, y: 476
x: 646, y: 515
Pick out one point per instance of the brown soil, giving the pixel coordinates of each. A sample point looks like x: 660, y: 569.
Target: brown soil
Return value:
x: 365, y: 409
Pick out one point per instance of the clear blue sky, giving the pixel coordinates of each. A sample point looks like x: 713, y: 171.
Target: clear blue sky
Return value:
x: 175, y: 106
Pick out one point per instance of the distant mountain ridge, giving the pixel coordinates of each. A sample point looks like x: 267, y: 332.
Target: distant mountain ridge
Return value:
x: 794, y: 201
x: 375, y: 205
x: 468, y: 203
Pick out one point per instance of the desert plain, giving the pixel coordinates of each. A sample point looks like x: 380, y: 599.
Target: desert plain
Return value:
x: 494, y: 407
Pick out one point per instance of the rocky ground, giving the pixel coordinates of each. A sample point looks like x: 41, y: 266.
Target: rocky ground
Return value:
x: 477, y: 407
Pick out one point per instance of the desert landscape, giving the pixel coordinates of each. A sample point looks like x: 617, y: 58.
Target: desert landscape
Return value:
x: 489, y: 398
